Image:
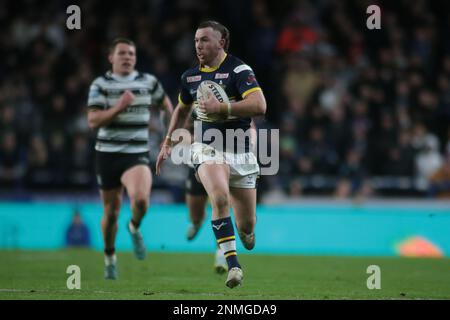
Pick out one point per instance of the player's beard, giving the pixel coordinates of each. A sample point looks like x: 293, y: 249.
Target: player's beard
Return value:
x: 208, y: 60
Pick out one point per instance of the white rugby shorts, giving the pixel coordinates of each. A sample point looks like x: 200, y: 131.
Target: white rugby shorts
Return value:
x: 244, y: 168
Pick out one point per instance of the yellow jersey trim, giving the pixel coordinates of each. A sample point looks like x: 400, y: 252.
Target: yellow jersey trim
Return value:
x: 212, y: 69
x: 246, y: 93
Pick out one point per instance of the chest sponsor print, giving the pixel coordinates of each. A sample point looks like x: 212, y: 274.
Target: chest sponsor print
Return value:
x: 193, y: 79
x: 221, y: 76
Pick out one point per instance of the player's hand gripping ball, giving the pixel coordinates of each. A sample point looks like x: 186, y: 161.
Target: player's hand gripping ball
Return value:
x: 204, y: 92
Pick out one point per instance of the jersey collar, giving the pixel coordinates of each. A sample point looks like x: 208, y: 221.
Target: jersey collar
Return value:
x: 129, y: 77
x: 211, y: 69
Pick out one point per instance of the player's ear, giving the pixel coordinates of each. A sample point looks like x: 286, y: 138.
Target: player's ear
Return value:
x: 110, y: 56
x: 222, y: 43
x: 110, y: 59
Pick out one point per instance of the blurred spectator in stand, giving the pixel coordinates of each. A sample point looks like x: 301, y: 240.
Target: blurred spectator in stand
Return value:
x: 298, y: 116
x: 38, y: 171
x: 56, y: 114
x: 421, y: 136
x: 439, y: 182
x: 400, y: 157
x: 80, y: 166
x: 27, y: 118
x: 339, y: 130
x: 322, y: 155
x: 288, y: 150
x: 300, y: 79
x: 12, y: 162
x: 297, y: 36
x: 58, y: 157
x: 7, y: 118
x: 77, y: 234
x: 353, y: 179
x: 444, y: 104
x: 422, y: 44
x: 360, y: 142
x: 427, y: 107
x: 447, y: 144
x: 428, y: 160
x: 402, y: 94
x: 263, y: 37
x: 386, y: 141
x: 295, y: 188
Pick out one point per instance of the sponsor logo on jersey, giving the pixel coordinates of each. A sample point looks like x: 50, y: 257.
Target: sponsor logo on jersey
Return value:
x: 242, y: 67
x: 193, y: 79
x: 215, y: 92
x: 221, y: 75
x: 250, y: 79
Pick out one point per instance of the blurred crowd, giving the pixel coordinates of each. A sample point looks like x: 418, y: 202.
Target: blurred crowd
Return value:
x: 360, y: 111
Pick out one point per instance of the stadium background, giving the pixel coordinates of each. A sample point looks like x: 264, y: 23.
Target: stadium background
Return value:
x: 364, y: 119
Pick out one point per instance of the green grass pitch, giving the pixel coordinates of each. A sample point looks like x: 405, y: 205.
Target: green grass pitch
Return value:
x: 42, y: 275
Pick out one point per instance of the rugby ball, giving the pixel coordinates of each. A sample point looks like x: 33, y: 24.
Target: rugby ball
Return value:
x: 204, y: 90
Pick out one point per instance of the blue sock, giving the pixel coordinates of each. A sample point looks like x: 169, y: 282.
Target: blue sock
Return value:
x: 224, y: 232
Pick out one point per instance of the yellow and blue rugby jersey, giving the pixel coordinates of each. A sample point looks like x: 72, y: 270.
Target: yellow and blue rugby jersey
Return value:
x: 235, y: 77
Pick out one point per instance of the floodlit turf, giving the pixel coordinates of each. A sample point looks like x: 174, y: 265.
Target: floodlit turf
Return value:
x: 42, y: 275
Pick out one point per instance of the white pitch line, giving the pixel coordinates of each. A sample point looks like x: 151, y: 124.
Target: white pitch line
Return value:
x: 14, y: 290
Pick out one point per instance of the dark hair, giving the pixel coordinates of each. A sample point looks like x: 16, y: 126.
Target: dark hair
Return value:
x: 116, y: 41
x: 217, y: 27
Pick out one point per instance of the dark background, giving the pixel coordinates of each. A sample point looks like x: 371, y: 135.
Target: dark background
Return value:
x: 361, y: 112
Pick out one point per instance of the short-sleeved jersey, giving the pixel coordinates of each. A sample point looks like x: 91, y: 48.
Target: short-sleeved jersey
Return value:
x: 235, y: 77
x: 128, y: 132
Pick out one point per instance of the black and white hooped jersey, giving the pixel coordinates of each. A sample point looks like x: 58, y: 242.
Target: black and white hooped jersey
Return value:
x: 234, y: 76
x: 128, y: 132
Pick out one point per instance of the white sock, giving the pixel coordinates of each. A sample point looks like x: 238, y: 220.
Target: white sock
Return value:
x: 109, y: 260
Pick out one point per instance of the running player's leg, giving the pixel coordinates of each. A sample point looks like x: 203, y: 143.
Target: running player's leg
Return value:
x: 196, y: 199
x: 137, y: 181
x: 111, y: 207
x: 197, y: 213
x: 215, y: 179
x: 243, y: 202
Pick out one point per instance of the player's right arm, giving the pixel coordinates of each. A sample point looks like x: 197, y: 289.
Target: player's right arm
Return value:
x: 253, y: 136
x: 178, y: 120
x: 98, y: 118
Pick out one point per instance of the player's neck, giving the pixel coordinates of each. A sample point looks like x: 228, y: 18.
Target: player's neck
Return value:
x: 122, y: 75
x: 217, y: 60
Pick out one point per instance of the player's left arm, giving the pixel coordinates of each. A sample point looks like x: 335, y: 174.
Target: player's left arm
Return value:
x: 254, y: 104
